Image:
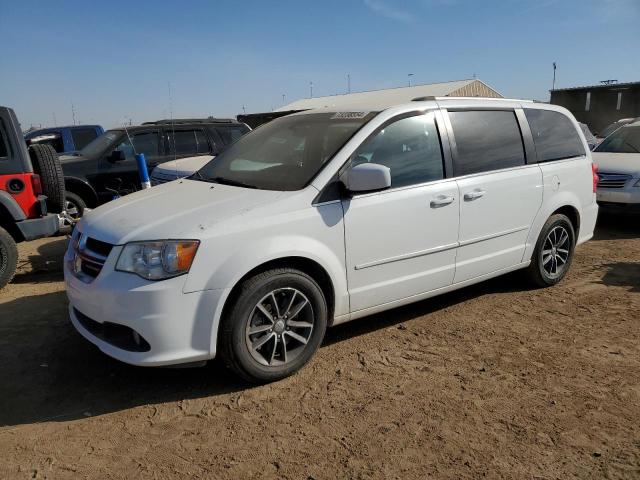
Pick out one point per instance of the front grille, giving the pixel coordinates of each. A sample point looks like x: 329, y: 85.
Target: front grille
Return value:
x: 91, y: 255
x: 115, y: 334
x: 613, y: 180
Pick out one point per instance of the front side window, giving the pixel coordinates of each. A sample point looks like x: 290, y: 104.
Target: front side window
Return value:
x: 232, y: 133
x: 486, y: 140
x: 146, y: 143
x: 187, y: 142
x: 4, y: 148
x: 286, y: 153
x: 410, y: 147
x: 554, y: 135
x: 623, y: 140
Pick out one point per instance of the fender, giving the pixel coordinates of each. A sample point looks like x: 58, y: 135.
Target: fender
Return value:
x: 8, y: 202
x: 83, y: 188
x: 565, y: 198
x: 233, y: 269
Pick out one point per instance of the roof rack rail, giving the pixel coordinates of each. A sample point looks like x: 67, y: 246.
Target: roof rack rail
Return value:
x: 422, y: 99
x: 178, y: 121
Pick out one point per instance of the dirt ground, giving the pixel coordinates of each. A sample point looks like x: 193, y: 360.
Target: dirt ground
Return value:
x: 493, y: 381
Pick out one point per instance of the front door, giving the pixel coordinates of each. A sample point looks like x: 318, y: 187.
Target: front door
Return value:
x: 122, y: 176
x: 402, y: 241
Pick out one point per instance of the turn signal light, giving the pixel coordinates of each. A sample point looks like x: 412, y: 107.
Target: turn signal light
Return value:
x: 36, y: 183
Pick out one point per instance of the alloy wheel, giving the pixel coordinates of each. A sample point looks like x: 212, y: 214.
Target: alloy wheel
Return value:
x: 279, y: 327
x: 555, y: 251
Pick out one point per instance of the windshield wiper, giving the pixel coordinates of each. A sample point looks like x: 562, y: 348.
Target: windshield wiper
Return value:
x: 230, y: 182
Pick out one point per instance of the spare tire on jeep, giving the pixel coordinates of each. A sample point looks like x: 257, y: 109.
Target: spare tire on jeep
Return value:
x: 46, y: 163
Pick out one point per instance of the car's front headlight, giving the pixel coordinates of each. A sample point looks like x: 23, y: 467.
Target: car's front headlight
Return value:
x: 157, y: 260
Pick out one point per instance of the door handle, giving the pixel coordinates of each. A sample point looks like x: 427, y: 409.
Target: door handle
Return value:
x: 441, y: 201
x: 475, y: 194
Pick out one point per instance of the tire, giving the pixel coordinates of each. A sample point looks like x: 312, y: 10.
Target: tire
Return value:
x: 260, y: 364
x: 541, y: 271
x: 46, y: 164
x: 74, y: 205
x: 8, y: 257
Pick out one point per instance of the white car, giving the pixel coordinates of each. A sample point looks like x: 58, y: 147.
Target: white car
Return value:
x: 322, y: 217
x: 175, y: 169
x: 618, y: 160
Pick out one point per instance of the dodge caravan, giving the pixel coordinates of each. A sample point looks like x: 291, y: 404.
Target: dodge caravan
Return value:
x: 322, y: 217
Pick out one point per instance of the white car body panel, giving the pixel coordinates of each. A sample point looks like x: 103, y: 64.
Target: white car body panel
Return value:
x: 379, y: 250
x: 398, y: 245
x: 180, y: 168
x: 494, y: 226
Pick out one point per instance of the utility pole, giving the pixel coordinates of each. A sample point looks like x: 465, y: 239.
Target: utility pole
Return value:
x: 73, y: 113
x: 410, y: 75
x: 310, y: 89
x: 553, y: 86
x: 283, y: 98
x: 55, y: 122
x: 348, y: 83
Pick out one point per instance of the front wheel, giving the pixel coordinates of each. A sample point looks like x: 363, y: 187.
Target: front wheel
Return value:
x: 275, y: 325
x: 8, y: 257
x: 74, y: 205
x: 554, y: 251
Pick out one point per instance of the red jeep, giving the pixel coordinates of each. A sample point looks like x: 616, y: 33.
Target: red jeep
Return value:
x: 31, y: 185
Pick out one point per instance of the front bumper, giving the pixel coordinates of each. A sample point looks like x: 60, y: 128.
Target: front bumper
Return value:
x: 39, y: 227
x: 628, y: 195
x: 173, y: 327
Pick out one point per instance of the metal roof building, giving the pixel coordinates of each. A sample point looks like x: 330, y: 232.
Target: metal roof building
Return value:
x: 377, y: 99
x: 600, y: 105
x: 394, y: 96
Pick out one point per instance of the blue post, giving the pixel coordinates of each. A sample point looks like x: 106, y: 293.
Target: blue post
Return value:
x: 142, y: 170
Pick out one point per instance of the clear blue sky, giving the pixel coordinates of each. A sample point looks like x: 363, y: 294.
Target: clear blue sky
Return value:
x: 114, y: 60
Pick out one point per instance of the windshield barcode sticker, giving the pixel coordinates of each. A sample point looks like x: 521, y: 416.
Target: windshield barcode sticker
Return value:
x: 349, y: 115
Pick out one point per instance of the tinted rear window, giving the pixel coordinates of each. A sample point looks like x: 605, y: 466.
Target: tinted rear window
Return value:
x: 486, y: 140
x: 554, y: 135
x: 83, y: 136
x: 4, y: 149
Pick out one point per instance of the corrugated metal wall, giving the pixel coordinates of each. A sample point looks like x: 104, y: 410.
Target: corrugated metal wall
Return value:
x: 475, y: 89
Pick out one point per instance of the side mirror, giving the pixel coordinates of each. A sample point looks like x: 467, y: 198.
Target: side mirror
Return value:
x: 116, y: 156
x: 367, y: 177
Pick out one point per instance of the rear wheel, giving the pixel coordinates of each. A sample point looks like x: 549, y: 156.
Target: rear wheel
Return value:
x: 8, y: 257
x: 275, y: 325
x: 46, y: 163
x: 554, y: 251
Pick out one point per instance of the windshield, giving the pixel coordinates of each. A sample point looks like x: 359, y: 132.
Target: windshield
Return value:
x: 623, y: 140
x: 612, y: 128
x: 286, y: 153
x: 101, y: 144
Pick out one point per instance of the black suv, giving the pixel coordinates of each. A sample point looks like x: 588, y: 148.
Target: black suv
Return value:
x: 106, y: 167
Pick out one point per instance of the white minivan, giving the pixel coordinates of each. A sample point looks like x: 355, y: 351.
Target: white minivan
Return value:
x: 322, y: 217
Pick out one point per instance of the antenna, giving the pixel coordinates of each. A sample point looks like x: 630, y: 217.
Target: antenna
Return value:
x: 173, y: 130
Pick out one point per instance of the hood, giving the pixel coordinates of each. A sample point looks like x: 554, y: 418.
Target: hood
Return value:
x: 184, y: 166
x: 181, y: 209
x: 617, y: 162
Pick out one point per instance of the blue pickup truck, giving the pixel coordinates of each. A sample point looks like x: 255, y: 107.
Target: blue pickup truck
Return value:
x: 65, y: 139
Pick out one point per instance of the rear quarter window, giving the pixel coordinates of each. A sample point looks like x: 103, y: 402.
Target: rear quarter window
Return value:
x: 83, y: 136
x: 554, y: 135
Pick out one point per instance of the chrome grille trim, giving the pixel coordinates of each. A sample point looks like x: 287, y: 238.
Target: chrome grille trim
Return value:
x: 613, y: 180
